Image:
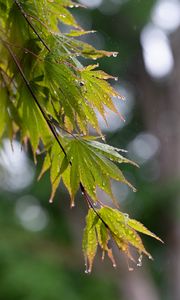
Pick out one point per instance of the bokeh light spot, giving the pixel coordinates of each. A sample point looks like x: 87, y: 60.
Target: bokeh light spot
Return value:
x: 157, y: 52
x: 30, y: 213
x: 16, y: 170
x: 166, y: 15
x: 143, y: 147
x: 91, y: 3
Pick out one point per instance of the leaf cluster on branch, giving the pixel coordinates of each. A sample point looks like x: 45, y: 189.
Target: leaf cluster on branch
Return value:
x: 49, y: 99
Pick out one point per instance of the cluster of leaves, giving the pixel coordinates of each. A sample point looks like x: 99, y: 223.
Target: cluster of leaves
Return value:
x: 52, y: 100
x: 106, y: 224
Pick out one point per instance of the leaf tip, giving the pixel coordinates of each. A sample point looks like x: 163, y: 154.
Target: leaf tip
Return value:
x: 51, y: 200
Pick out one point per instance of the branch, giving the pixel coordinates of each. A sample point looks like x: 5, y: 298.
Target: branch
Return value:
x: 52, y: 129
x: 48, y: 121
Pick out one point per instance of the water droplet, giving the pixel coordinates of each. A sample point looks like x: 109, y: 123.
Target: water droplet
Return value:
x: 115, y: 54
x: 114, y: 265
x: 103, y: 138
x: 130, y: 269
x: 50, y: 200
x: 116, y: 78
x: 126, y: 218
x: 120, y: 150
x: 139, y: 264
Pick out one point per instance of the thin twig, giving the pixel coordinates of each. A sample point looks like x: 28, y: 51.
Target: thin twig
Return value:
x: 25, y: 15
x: 35, y: 18
x: 91, y: 205
x: 26, y: 50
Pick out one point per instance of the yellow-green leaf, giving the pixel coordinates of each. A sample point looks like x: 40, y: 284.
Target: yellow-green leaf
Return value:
x: 141, y: 228
x: 89, y: 243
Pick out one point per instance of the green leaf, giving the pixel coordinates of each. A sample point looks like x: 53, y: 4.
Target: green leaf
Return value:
x: 9, y: 120
x: 74, y: 173
x: 86, y: 165
x: 89, y: 243
x: 120, y: 230
x: 97, y: 90
x: 33, y: 123
x: 109, y: 223
x: 65, y: 16
x: 103, y: 240
x: 141, y: 228
x: 46, y: 165
x: 4, y: 113
x: 82, y: 48
x: 64, y: 165
x: 110, y: 152
x: 57, y: 157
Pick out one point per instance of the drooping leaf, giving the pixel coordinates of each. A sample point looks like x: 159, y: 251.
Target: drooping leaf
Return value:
x: 111, y: 224
x: 89, y: 243
x: 34, y: 125
x: 103, y: 237
x: 141, y: 228
x: 120, y: 229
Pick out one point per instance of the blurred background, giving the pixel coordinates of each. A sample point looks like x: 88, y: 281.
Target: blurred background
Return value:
x: 40, y: 244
